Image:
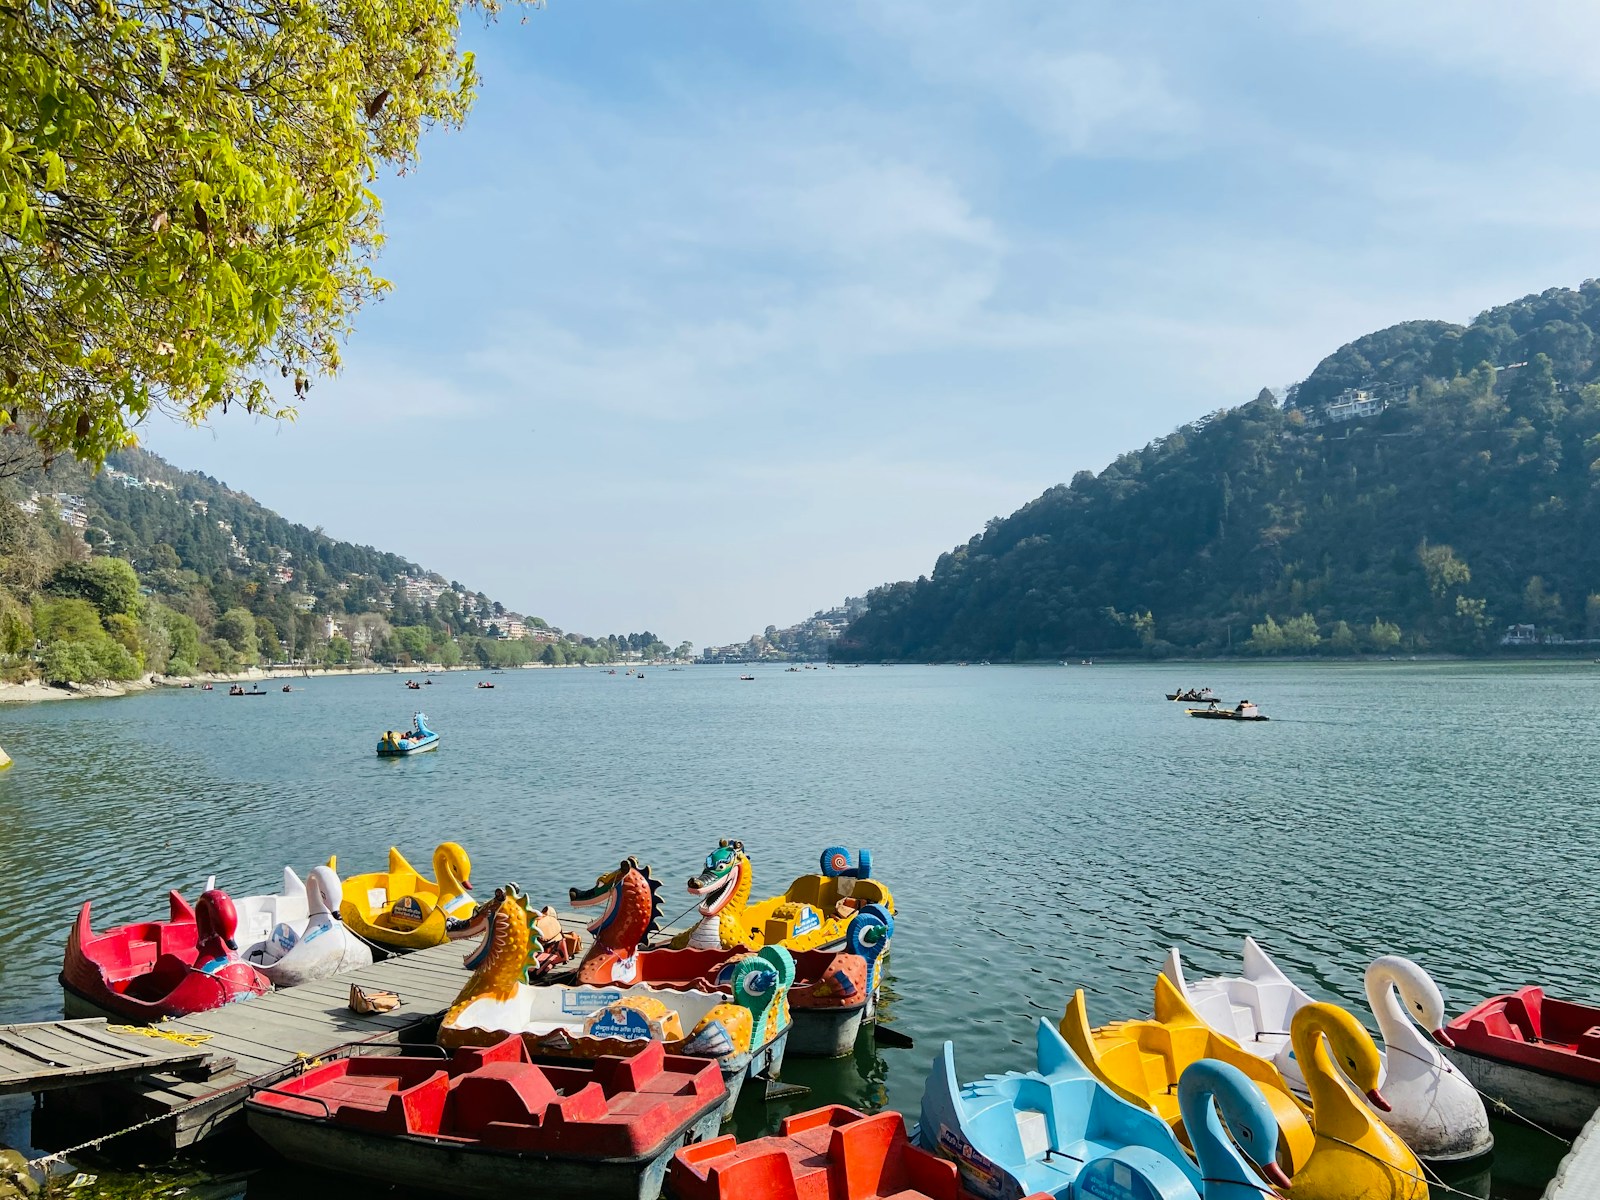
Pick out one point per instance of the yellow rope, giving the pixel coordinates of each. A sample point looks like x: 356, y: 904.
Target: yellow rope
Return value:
x: 183, y: 1039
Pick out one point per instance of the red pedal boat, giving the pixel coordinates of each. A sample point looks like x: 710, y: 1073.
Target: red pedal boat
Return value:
x: 188, y: 963
x: 488, y: 1122
x: 829, y: 1153
x: 1539, y: 1056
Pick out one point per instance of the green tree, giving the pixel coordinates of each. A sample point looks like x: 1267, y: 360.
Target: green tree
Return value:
x: 1342, y: 639
x: 1541, y: 606
x: 1591, y: 617
x: 1443, y: 569
x: 1300, y: 633
x: 1266, y: 638
x: 69, y: 662
x: 237, y: 627
x: 67, y: 621
x: 189, y: 205
x: 109, y: 584
x: 337, y: 651
x: 1383, y: 636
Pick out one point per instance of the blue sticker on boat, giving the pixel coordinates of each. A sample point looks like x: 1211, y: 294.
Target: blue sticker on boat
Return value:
x: 809, y: 919
x: 626, y: 1023
x: 586, y: 1001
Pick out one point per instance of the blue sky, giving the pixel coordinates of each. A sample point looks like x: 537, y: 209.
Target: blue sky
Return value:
x: 717, y: 312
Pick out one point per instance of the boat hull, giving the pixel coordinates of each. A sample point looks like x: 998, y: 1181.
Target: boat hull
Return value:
x: 421, y: 747
x: 1553, y: 1101
x: 437, y: 1165
x: 825, y: 1032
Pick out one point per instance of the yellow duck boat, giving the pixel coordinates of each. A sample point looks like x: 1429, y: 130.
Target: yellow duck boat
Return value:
x: 400, y: 909
x: 813, y: 913
x: 1333, y: 1149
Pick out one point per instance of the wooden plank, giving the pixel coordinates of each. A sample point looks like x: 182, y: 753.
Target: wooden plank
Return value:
x: 74, y: 1043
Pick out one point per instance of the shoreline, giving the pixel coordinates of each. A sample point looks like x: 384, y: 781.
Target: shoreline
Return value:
x: 36, y: 691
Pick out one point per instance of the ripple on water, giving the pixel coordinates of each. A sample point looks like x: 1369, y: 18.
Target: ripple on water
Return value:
x: 1043, y: 829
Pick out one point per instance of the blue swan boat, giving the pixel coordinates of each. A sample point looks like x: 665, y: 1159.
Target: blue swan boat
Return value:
x: 1060, y: 1131
x: 412, y: 741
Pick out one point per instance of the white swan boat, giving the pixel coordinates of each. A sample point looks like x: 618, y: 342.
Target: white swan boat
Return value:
x: 294, y: 937
x: 1434, y: 1108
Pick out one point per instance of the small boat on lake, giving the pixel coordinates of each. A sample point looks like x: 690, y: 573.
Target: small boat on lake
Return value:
x: 489, y: 1122
x: 287, y: 688
x: 483, y: 684
x: 401, y: 910
x: 1203, y: 696
x: 413, y: 741
x: 188, y: 963
x: 5, y: 760
x: 747, y: 679
x: 1432, y: 1105
x: 1245, y: 711
x: 1541, y: 1057
x: 236, y: 690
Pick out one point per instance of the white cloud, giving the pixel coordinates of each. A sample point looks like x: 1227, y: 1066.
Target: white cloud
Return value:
x: 1062, y: 70
x: 1550, y: 41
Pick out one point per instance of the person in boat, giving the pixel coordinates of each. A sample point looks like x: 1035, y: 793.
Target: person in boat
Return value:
x: 1246, y: 709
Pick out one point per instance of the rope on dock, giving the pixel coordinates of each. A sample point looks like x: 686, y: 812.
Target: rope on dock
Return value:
x: 183, y: 1039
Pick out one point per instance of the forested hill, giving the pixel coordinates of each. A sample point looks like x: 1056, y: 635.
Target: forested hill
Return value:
x: 1425, y: 487
x: 145, y: 567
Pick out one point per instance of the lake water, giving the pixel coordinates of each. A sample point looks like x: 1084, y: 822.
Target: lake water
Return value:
x: 1042, y: 828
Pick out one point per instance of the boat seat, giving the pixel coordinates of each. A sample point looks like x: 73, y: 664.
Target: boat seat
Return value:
x: 379, y: 1103
x: 635, y: 1073
x: 500, y: 1097
x: 1588, y: 1044
x: 167, y: 973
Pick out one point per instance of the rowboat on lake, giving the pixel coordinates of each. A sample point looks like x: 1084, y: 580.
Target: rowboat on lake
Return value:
x: 1541, y: 1057
x: 1244, y: 712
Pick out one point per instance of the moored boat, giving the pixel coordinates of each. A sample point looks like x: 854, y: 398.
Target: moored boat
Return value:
x: 1061, y: 1131
x: 401, y: 910
x: 1432, y: 1105
x: 1336, y: 1147
x: 489, y: 1122
x: 833, y: 994
x: 188, y: 963
x: 745, y: 1032
x: 302, y: 940
x: 413, y: 741
x: 812, y: 913
x: 1538, y: 1056
x: 829, y: 1153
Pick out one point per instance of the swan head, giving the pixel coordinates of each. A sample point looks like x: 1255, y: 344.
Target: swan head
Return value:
x: 450, y: 859
x: 324, y: 892
x: 216, y: 917
x: 1419, y: 995
x: 1352, y: 1047
x: 1243, y: 1109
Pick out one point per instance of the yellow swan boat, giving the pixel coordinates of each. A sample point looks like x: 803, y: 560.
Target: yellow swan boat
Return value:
x: 813, y: 913
x: 400, y: 909
x: 1333, y: 1149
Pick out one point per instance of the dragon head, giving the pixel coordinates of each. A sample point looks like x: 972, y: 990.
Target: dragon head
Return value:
x: 629, y: 882
x: 716, y: 884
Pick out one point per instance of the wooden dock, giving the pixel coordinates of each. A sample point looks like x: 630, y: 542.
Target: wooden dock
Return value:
x: 265, y: 1039
x: 46, y: 1055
